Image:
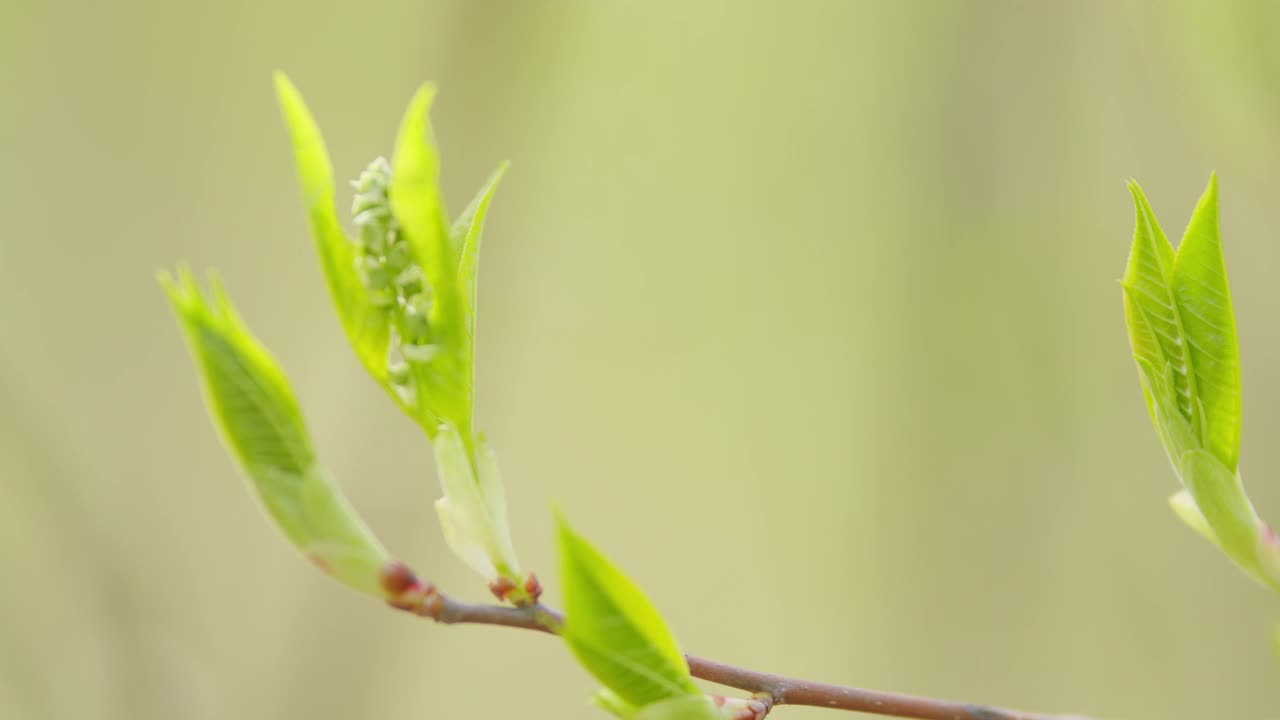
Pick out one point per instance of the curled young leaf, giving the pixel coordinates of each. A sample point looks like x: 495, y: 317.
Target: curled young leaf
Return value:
x: 615, y: 631
x: 473, y: 515
x: 254, y: 409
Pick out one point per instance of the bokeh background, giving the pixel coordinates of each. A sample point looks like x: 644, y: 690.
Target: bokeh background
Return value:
x: 805, y: 312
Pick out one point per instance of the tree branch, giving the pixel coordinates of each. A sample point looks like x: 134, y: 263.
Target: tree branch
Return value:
x: 783, y: 690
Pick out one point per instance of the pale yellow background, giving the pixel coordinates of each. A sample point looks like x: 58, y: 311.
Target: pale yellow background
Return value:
x: 804, y: 311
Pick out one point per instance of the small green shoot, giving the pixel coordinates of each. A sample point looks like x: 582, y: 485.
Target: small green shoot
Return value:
x: 1182, y: 331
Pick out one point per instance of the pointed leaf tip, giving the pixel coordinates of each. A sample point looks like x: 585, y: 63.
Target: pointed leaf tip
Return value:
x: 1200, y: 286
x: 365, y: 324
x: 466, y: 235
x: 414, y: 175
x: 281, y: 81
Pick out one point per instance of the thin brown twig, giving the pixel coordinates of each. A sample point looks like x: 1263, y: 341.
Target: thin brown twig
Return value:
x: 783, y: 690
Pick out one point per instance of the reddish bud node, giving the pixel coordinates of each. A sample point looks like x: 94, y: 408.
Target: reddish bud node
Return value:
x: 533, y: 588
x: 501, y: 588
x: 397, y: 579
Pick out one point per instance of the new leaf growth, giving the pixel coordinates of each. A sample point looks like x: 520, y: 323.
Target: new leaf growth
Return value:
x: 620, y: 638
x: 404, y: 290
x: 251, y: 404
x: 1182, y: 331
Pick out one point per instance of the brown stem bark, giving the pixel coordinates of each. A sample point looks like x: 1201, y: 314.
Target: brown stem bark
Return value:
x: 783, y: 690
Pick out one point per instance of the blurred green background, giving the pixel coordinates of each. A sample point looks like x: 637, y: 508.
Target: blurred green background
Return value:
x: 805, y: 312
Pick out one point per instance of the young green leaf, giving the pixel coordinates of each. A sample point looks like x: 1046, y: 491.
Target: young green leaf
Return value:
x: 1155, y: 330
x: 1199, y: 284
x: 473, y: 511
x: 253, y: 407
x: 613, y: 629
x: 365, y: 324
x: 444, y: 375
x: 415, y: 200
x: 465, y: 236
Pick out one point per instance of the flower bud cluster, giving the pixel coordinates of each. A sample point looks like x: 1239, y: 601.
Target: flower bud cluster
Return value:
x: 394, y: 281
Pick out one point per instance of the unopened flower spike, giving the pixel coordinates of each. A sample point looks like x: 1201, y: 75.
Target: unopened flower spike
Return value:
x: 404, y: 289
x: 1182, y: 330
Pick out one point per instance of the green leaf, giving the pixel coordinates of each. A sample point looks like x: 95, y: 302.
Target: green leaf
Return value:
x: 613, y: 629
x: 465, y: 237
x: 364, y: 324
x: 415, y: 200
x: 1155, y: 330
x: 466, y: 234
x: 444, y: 380
x: 473, y: 511
x: 254, y: 409
x: 1199, y: 285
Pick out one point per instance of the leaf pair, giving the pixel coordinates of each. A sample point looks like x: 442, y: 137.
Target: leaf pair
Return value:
x: 619, y: 637
x: 1182, y: 332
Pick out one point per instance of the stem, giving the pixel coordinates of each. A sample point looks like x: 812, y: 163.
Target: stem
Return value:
x: 783, y: 690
